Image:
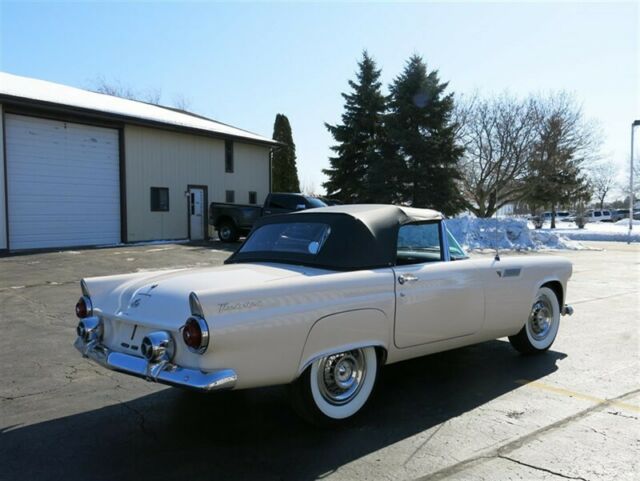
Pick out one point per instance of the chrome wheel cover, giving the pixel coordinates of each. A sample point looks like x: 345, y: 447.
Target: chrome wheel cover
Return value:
x: 340, y: 376
x: 541, y: 318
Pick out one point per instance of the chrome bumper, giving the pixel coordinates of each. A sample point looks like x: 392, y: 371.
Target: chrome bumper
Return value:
x: 567, y: 310
x: 162, y: 372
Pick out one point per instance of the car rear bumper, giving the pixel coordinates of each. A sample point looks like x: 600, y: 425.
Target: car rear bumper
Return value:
x: 162, y: 372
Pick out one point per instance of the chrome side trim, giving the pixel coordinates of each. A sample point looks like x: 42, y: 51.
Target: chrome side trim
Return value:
x: 84, y: 288
x: 195, y: 306
x: 163, y: 372
x: 446, y: 255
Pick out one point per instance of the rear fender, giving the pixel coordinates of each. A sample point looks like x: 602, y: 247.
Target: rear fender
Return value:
x: 345, y: 331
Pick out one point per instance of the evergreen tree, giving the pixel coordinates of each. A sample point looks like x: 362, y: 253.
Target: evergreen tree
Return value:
x: 555, y: 176
x: 283, y: 163
x: 358, y: 150
x: 422, y: 134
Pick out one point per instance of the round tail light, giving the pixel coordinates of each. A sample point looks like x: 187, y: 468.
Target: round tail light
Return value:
x: 195, y: 334
x: 84, y: 308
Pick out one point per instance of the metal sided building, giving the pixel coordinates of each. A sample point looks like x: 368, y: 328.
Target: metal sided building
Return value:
x: 79, y: 168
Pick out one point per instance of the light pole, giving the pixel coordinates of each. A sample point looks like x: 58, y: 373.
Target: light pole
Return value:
x: 633, y: 129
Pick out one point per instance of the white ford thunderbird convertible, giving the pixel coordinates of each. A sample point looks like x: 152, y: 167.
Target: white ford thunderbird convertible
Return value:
x: 320, y: 300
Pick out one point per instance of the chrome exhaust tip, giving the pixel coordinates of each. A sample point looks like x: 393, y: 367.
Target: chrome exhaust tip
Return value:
x: 89, y: 329
x: 567, y: 310
x: 158, y: 346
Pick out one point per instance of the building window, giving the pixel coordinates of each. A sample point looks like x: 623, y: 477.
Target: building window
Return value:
x: 228, y: 156
x: 159, y: 199
x: 253, y: 197
x: 230, y: 196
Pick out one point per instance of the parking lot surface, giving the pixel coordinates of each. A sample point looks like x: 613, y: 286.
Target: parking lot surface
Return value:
x: 482, y: 412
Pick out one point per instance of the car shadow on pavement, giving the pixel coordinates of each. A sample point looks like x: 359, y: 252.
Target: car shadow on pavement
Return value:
x: 253, y: 434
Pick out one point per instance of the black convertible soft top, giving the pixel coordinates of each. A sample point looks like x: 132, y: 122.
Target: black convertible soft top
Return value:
x: 363, y: 236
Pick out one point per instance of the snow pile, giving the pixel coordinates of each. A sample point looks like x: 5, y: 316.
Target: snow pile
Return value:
x: 598, y: 231
x: 506, y: 234
x: 625, y: 222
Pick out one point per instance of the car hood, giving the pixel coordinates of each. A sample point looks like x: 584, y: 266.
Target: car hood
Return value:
x: 161, y: 298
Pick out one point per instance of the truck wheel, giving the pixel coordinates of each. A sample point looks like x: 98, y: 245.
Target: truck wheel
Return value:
x: 335, y: 387
x: 227, y: 232
x: 541, y: 327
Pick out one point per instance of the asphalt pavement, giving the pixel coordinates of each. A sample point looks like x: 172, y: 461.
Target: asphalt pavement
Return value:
x: 481, y: 412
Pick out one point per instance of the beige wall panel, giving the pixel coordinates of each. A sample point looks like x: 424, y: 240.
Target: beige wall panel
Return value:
x: 3, y: 207
x: 251, y: 173
x: 158, y: 158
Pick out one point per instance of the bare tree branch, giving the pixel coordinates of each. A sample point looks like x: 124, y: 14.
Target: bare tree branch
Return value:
x: 498, y: 134
x: 602, y: 178
x: 117, y: 89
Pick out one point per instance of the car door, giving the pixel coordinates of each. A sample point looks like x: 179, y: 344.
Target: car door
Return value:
x: 436, y: 298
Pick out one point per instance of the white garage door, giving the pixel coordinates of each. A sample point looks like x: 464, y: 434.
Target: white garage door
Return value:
x: 63, y: 183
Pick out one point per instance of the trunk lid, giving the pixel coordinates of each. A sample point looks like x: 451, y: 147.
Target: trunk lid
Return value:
x: 160, y: 299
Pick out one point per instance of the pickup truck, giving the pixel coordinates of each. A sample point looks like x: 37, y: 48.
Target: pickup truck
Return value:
x: 233, y: 220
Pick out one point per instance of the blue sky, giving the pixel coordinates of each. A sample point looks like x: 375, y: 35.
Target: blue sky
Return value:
x: 241, y: 63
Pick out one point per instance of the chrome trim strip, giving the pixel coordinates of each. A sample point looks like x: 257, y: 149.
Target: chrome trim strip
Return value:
x: 163, y: 372
x: 446, y: 255
x: 88, y: 305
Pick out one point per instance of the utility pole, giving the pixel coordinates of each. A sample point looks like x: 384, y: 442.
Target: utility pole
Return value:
x: 633, y: 129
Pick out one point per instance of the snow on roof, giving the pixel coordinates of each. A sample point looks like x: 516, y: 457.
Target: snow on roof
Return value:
x: 43, y: 91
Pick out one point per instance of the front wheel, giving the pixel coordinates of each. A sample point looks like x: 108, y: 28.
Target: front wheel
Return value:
x: 541, y: 327
x: 335, y: 387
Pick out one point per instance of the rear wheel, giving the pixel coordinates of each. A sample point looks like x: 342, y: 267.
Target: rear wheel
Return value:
x: 541, y: 327
x: 335, y: 387
x: 227, y: 231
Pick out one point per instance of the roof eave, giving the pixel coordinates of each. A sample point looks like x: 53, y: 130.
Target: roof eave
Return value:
x: 46, y: 106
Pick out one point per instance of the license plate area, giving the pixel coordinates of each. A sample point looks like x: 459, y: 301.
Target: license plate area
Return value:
x: 125, y: 336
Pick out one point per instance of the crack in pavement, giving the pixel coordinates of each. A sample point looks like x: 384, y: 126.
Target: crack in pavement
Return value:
x: 618, y: 294
x: 538, y: 468
x: 42, y: 284
x: 141, y: 420
x: 424, y: 443
x: 70, y: 375
x: 517, y: 443
x: 22, y: 396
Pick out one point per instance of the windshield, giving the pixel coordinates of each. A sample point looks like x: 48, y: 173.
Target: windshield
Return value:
x: 293, y: 237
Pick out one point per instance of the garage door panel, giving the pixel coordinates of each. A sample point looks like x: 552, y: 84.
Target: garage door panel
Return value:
x: 63, y: 183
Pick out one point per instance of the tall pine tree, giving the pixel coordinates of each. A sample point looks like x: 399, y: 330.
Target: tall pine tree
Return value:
x: 555, y: 174
x: 422, y: 134
x: 283, y: 163
x: 358, y: 150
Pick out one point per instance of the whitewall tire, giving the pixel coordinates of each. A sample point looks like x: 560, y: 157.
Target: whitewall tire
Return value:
x: 541, y: 328
x: 336, y: 387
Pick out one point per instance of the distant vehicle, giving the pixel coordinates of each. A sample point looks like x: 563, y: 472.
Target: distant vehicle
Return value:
x: 599, y: 215
x: 561, y: 215
x: 233, y: 220
x: 620, y: 214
